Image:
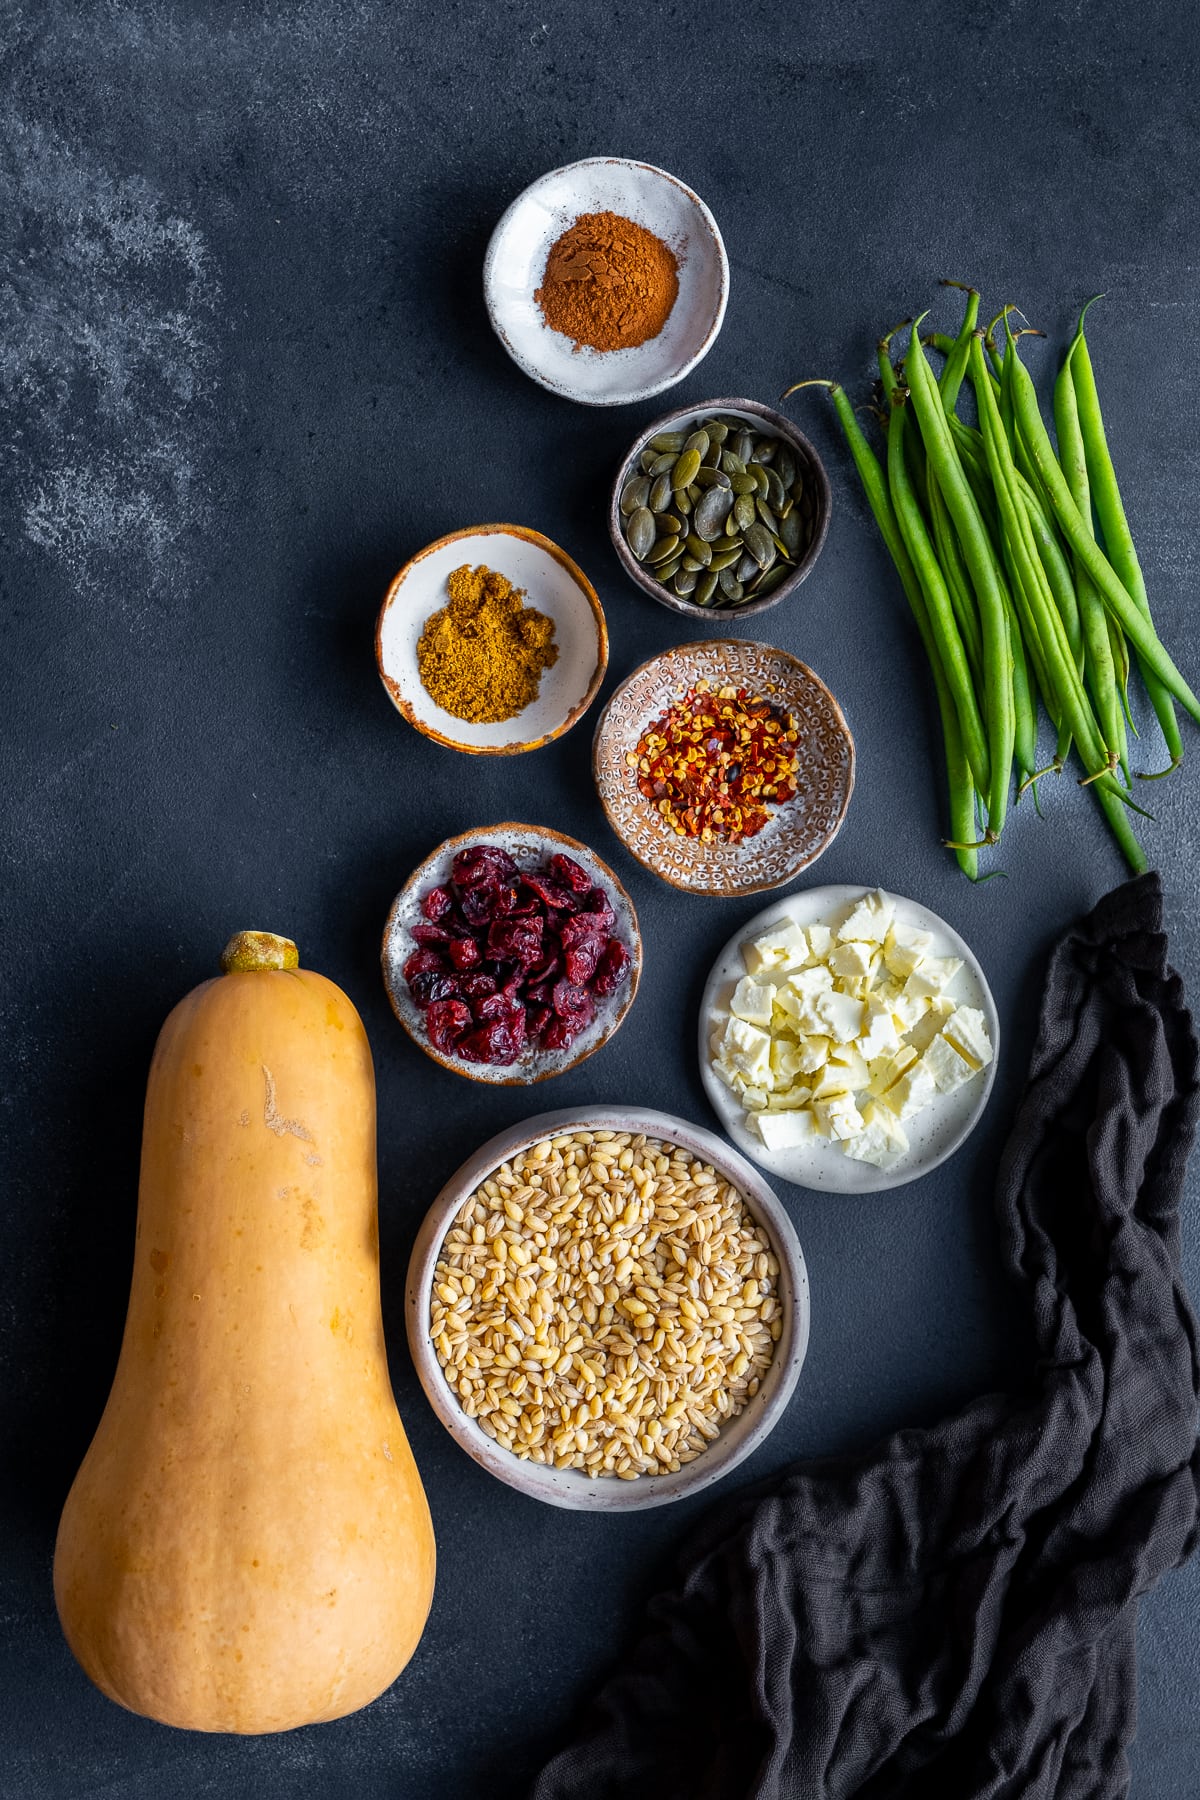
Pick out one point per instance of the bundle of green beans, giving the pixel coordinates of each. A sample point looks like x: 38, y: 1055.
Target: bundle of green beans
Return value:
x: 1017, y: 597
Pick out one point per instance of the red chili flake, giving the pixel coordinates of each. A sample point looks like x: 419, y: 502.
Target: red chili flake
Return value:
x: 716, y: 761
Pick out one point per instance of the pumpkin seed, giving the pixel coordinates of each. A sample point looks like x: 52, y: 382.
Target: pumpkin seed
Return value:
x: 667, y: 522
x: 700, y: 550
x: 797, y: 488
x: 712, y: 457
x: 791, y: 530
x: 635, y: 493
x: 766, y: 515
x: 662, y: 465
x: 669, y: 440
x: 760, y: 479
x: 730, y: 541
x: 693, y: 565
x: 764, y: 450
x: 760, y: 545
x: 706, y: 587
x: 725, y: 559
x: 743, y: 484
x: 682, y: 501
x: 699, y: 442
x: 708, y: 477
x: 717, y: 430
x: 743, y: 444
x: 664, y: 550
x: 665, y: 571
x: 769, y: 581
x: 744, y: 511
x: 747, y: 568
x: 785, y: 464
x: 776, y: 491
x: 685, y: 581
x: 640, y: 532
x: 710, y: 516
x: 694, y: 491
x: 660, y: 494
x: 684, y: 472
x: 647, y: 460
x: 732, y: 465
x: 730, y: 586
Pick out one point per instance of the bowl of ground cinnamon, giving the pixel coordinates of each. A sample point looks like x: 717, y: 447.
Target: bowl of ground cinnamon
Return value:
x: 607, y: 280
x: 491, y: 640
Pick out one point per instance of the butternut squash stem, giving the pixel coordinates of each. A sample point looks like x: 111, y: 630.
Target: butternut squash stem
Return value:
x: 249, y: 950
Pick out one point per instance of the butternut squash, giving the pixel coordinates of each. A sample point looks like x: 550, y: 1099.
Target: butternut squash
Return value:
x: 247, y: 1545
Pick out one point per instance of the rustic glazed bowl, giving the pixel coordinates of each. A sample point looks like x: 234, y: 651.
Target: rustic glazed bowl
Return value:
x: 934, y: 1134
x: 552, y: 583
x: 516, y: 261
x: 796, y: 833
x: 818, y: 498
x: 570, y: 1487
x: 529, y: 846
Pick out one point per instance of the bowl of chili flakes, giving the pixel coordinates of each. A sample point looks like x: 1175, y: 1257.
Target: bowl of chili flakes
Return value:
x: 512, y: 953
x: 725, y: 766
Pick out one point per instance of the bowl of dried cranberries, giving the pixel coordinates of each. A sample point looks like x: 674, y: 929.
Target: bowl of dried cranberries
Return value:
x: 511, y: 954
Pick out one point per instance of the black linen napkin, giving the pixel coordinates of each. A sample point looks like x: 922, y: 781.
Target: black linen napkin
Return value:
x: 952, y: 1615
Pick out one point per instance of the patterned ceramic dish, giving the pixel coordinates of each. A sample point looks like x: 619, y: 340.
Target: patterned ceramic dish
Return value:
x: 516, y: 262
x: 797, y: 832
x: 530, y: 846
x: 571, y: 1487
x: 816, y: 503
x: 553, y: 584
x: 934, y: 1134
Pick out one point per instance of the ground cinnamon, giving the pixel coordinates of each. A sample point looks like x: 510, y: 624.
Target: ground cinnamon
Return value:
x: 609, y: 284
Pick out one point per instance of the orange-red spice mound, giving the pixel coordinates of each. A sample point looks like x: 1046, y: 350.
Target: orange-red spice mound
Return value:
x: 715, y: 762
x: 609, y: 284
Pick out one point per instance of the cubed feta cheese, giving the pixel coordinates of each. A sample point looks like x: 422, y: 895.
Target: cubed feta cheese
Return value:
x: 933, y: 977
x: 850, y: 1058
x: 796, y: 1095
x: 967, y: 1031
x: 907, y: 1009
x: 820, y: 937
x: 814, y: 1052
x: 905, y: 948
x: 753, y: 1001
x: 833, y: 1079
x: 948, y: 1068
x: 931, y: 1021
x: 841, y: 1014
x: 781, y: 948
x: 746, y: 1050
x: 914, y: 1090
x: 881, y: 1139
x: 755, y: 1099
x: 853, y: 960
x: 785, y: 1130
x: 837, y: 1117
x: 885, y: 1071
x: 785, y: 1060
x: 878, y: 1035
x: 868, y: 920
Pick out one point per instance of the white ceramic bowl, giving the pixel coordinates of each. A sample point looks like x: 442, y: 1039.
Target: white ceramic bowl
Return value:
x: 933, y: 1134
x: 516, y: 261
x: 530, y: 846
x: 569, y: 1487
x: 552, y: 583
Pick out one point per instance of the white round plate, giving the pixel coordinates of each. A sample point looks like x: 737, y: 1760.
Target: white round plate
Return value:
x: 552, y: 584
x: 570, y: 1487
x: 516, y: 262
x: 933, y: 1134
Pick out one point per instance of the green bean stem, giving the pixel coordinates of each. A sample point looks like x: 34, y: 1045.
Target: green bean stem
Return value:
x: 1137, y: 627
x: 1118, y: 539
x: 981, y: 566
x: 951, y: 379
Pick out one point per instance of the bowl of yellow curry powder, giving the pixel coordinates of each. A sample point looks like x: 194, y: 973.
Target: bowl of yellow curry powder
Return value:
x: 492, y: 640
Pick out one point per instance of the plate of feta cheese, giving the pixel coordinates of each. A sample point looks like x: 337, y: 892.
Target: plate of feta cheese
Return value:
x: 848, y: 1039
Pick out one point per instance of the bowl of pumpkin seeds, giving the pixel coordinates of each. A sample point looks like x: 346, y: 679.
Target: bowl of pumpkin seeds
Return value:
x: 722, y: 507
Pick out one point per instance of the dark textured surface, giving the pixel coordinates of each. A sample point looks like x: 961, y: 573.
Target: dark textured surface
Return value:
x: 246, y: 372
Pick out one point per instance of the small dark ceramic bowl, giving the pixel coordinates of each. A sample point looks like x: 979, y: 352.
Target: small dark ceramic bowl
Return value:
x: 761, y: 418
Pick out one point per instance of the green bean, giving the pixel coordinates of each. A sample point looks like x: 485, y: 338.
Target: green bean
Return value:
x: 939, y: 609
x: 981, y: 566
x: 961, y: 786
x: 1057, y: 569
x: 1120, y: 654
x: 951, y: 379
x: 1137, y: 627
x: 957, y: 580
x: 1098, y: 645
x: 912, y: 442
x: 1118, y: 540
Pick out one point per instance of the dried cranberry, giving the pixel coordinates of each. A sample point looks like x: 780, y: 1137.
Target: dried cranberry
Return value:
x: 422, y: 962
x: 445, y: 1021
x: 596, y: 906
x: 580, y: 962
x: 582, y: 929
x: 518, y: 940
x: 501, y: 1006
x: 537, y: 1018
x: 474, y: 987
x: 430, y: 986
x: 483, y: 865
x: 569, y: 873
x: 464, y: 953
x: 548, y: 966
x: 611, y: 969
x: 538, y: 992
x: 552, y: 893
x: 496, y: 1043
x: 437, y: 903
x: 559, y: 1033
x: 573, y: 1003
x: 430, y: 934
x: 477, y: 905
x: 516, y: 900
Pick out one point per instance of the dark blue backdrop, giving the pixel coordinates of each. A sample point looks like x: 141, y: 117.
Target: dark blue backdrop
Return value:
x: 246, y: 372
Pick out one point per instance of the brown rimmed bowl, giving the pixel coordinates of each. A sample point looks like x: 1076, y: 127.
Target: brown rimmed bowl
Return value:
x: 552, y: 583
x: 760, y: 418
x: 736, y: 1440
x: 795, y: 835
x: 530, y: 846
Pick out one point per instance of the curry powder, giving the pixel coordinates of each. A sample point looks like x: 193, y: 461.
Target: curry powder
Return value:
x: 481, y: 656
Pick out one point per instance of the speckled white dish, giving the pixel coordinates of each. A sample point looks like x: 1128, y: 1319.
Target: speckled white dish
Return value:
x: 569, y: 1487
x: 530, y: 846
x: 933, y: 1134
x: 552, y: 583
x: 516, y: 261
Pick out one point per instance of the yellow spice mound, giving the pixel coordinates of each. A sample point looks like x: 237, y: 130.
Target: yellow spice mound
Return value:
x: 481, y: 656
